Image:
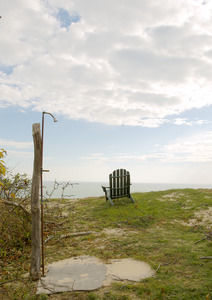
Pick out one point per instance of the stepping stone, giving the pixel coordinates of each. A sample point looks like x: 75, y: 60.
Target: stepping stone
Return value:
x: 86, y: 273
x: 82, y: 273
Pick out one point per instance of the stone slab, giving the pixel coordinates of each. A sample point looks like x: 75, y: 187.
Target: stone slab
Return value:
x: 86, y: 273
x: 82, y: 273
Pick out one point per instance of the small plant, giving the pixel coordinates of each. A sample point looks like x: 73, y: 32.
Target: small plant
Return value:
x: 92, y: 296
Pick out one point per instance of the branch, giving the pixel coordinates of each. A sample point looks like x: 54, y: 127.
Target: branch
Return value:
x: 76, y: 234
x: 166, y: 264
x: 2, y: 283
x: 206, y: 257
x: 63, y: 185
x: 205, y: 238
x: 208, y: 236
x: 69, y: 235
x: 20, y: 204
x: 54, y: 223
x: 16, y: 205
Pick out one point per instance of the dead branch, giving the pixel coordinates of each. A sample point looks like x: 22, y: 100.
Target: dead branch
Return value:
x: 170, y: 263
x: 8, y: 281
x: 158, y: 267
x: 48, y: 239
x: 166, y: 264
x: 63, y: 185
x: 76, y: 234
x: 16, y: 205
x: 68, y: 235
x: 25, y: 199
x: 200, y: 240
x: 56, y: 224
x: 208, y: 236
x: 55, y: 187
x: 206, y: 257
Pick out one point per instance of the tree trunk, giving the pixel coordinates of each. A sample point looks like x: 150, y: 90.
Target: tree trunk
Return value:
x: 35, y: 272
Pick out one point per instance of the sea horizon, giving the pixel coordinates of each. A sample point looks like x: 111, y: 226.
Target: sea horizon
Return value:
x: 84, y: 189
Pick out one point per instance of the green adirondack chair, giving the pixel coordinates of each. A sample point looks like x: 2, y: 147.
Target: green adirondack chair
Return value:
x: 119, y: 186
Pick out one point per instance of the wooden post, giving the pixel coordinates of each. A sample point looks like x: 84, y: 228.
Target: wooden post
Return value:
x: 35, y: 272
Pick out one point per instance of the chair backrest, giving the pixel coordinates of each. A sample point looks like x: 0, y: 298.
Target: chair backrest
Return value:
x: 119, y: 184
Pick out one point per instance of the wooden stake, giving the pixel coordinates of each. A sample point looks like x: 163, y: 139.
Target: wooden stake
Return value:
x: 35, y: 205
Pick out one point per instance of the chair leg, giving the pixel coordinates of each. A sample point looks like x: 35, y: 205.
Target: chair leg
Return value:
x: 111, y: 202
x: 109, y: 198
x: 132, y: 199
x: 106, y: 198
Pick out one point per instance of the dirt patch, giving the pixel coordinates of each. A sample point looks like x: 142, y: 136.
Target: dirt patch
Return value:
x: 114, y: 231
x: 117, y: 232
x: 171, y: 197
x: 203, y: 217
x: 128, y: 269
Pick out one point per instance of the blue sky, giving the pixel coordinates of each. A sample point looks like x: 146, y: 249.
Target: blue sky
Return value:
x: 130, y: 85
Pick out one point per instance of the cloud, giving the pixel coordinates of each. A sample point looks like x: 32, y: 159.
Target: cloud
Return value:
x: 14, y: 144
x: 185, y: 121
x: 196, y: 148
x: 20, y: 154
x: 133, y: 63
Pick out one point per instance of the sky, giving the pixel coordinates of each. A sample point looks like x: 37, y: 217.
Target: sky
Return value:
x: 128, y: 81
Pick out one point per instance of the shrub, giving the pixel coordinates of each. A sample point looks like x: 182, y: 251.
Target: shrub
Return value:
x: 15, y: 218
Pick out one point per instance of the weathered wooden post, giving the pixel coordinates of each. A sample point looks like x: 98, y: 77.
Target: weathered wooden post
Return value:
x: 35, y: 272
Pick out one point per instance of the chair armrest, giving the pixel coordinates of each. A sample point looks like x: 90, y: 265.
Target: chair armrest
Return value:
x: 104, y: 188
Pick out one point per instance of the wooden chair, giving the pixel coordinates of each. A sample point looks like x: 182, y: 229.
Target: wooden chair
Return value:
x: 119, y: 182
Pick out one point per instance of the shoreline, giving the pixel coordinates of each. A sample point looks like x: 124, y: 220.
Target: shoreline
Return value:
x: 94, y: 189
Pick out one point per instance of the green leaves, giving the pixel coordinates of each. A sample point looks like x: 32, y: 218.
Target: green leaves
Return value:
x: 2, y: 163
x: 2, y: 166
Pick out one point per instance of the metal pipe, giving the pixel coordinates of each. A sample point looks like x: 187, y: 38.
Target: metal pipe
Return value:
x: 41, y: 186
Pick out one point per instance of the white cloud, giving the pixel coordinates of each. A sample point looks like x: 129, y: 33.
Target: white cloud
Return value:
x: 19, y: 154
x: 185, y: 121
x: 134, y: 63
x: 196, y: 148
x: 15, y: 144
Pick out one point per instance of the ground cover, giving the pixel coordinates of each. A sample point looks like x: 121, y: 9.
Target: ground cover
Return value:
x: 170, y: 230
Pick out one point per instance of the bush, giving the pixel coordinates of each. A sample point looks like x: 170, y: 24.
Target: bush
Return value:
x: 15, y: 229
x: 15, y: 218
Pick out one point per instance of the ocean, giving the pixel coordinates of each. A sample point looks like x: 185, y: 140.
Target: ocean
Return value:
x: 94, y: 189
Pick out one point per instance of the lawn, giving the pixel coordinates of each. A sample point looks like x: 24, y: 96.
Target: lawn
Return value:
x: 170, y: 230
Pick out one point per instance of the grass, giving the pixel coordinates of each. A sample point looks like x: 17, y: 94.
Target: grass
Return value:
x: 156, y: 229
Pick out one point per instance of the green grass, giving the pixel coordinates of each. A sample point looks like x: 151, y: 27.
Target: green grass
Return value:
x: 155, y: 229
